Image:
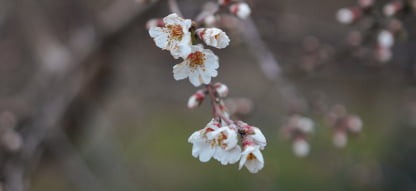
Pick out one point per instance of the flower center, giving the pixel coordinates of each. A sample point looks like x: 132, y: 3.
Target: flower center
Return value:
x: 251, y: 156
x: 196, y: 59
x: 176, y: 32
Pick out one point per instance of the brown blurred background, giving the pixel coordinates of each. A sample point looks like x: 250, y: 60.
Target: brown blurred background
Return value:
x: 88, y: 102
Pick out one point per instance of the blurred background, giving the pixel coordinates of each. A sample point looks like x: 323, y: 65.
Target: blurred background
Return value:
x: 88, y: 102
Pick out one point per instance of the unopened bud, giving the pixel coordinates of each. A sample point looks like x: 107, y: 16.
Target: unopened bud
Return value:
x: 213, y: 37
x: 301, y: 147
x: 241, y: 10
x: 365, y: 4
x: 154, y: 23
x: 224, y: 2
x: 222, y: 89
x: 348, y: 15
x: 385, y: 39
x: 392, y: 8
x: 340, y: 139
x: 196, y: 99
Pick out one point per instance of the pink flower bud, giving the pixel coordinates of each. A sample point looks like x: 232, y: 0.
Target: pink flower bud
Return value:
x: 154, y: 23
x: 348, y: 15
x: 224, y: 2
x: 196, y: 99
x: 222, y: 89
x: 392, y: 8
x: 241, y: 10
x: 365, y: 4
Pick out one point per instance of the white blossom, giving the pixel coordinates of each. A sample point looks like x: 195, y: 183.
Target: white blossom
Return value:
x: 354, y: 124
x: 340, y: 139
x: 252, y: 158
x: 385, y: 39
x: 305, y: 124
x: 203, y: 148
x: 174, y: 36
x: 226, y: 140
x: 259, y: 138
x: 301, y: 147
x: 210, y: 20
x: 391, y: 9
x: 241, y: 10
x: 214, y: 37
x: 345, y: 16
x: 199, y: 65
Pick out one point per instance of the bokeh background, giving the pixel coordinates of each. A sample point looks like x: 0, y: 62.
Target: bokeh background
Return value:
x: 88, y: 102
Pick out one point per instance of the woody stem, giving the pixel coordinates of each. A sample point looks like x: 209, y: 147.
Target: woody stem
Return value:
x: 216, y: 112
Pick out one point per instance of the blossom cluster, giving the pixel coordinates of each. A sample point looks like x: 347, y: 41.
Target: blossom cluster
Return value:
x: 343, y: 124
x: 297, y: 128
x: 223, y: 139
x: 176, y: 36
x: 388, y: 28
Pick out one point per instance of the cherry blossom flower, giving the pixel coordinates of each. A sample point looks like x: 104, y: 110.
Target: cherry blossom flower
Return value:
x: 255, y: 135
x: 348, y: 15
x: 340, y: 139
x: 174, y: 36
x: 213, y: 37
x: 385, y: 39
x: 305, y: 124
x: 203, y: 148
x: 200, y: 65
x: 392, y: 8
x: 252, y: 158
x: 354, y: 124
x: 241, y: 10
x: 301, y: 147
x: 225, y: 139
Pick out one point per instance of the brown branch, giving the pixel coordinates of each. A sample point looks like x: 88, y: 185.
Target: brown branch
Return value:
x: 58, y: 83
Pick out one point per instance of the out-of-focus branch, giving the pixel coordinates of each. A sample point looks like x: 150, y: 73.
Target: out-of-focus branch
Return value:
x: 60, y: 79
x: 174, y: 7
x: 268, y: 63
x: 270, y: 66
x: 73, y: 164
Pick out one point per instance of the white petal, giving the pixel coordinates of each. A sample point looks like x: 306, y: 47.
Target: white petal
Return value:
x: 206, y: 153
x: 259, y: 138
x: 160, y: 38
x: 194, y: 78
x: 228, y: 157
x: 242, y: 161
x: 194, y: 137
x: 180, y: 71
